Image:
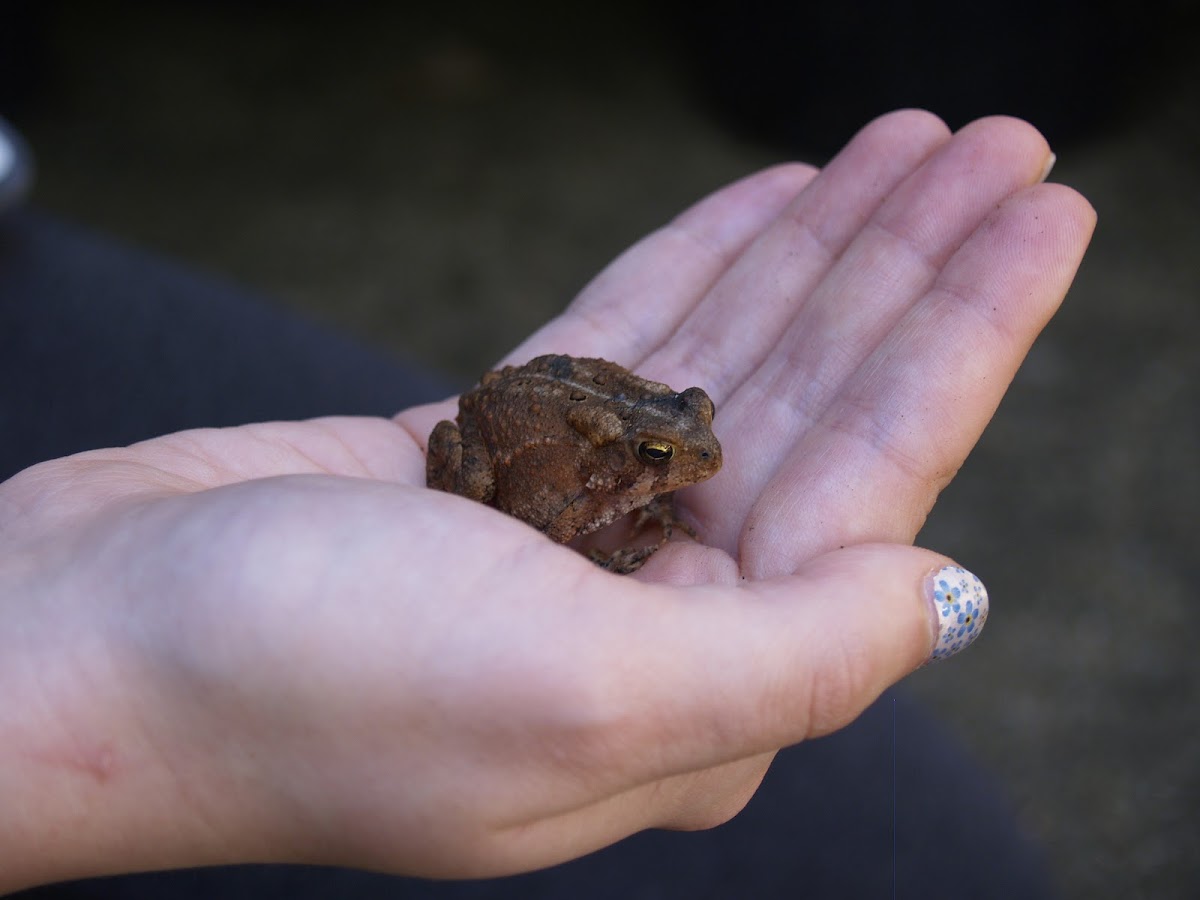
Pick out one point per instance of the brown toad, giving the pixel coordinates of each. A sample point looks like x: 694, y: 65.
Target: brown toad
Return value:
x: 570, y: 445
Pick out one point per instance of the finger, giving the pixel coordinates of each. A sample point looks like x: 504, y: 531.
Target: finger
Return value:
x: 740, y: 320
x: 696, y: 277
x: 702, y: 685
x: 682, y: 679
x: 893, y: 260
x: 884, y: 271
x: 872, y: 464
x: 203, y: 458
x: 690, y: 280
x: 782, y: 661
x: 640, y: 299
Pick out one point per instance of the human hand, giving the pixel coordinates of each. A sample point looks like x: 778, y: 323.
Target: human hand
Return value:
x: 280, y: 646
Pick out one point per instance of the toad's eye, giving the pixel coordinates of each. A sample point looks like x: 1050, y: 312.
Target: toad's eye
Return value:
x: 655, y: 451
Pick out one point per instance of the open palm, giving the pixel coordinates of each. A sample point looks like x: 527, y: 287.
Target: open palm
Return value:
x: 856, y: 327
x: 292, y: 593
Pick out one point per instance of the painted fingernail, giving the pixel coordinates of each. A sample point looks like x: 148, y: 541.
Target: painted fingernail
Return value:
x: 1047, y: 168
x: 961, y: 603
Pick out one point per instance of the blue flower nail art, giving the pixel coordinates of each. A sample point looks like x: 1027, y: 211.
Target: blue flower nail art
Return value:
x: 961, y: 602
x: 947, y: 594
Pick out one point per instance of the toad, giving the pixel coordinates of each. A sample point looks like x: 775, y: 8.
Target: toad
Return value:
x: 570, y: 445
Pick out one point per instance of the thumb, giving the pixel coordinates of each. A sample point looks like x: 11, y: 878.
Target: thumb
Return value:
x: 728, y: 672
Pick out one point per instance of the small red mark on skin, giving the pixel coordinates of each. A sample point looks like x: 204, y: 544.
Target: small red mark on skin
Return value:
x: 102, y: 764
x: 98, y: 762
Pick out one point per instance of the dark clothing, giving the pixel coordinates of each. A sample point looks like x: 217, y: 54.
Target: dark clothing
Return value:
x: 102, y: 345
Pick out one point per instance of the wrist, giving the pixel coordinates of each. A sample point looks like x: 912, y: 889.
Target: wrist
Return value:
x: 93, y: 780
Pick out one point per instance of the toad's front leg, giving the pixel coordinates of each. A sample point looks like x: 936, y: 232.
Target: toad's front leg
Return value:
x: 661, y: 512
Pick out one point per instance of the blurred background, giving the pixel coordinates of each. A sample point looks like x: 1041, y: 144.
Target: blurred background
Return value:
x: 439, y: 185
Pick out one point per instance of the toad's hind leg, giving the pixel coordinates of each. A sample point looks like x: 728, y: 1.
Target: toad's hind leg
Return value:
x: 456, y: 462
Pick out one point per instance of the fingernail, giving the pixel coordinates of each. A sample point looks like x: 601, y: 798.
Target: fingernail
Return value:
x: 960, y: 602
x: 1047, y: 168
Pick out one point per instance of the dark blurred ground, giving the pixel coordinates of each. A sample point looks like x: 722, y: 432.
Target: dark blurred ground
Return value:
x: 441, y: 189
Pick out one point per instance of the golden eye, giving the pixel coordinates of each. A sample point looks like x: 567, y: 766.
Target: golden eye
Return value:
x: 653, y: 451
